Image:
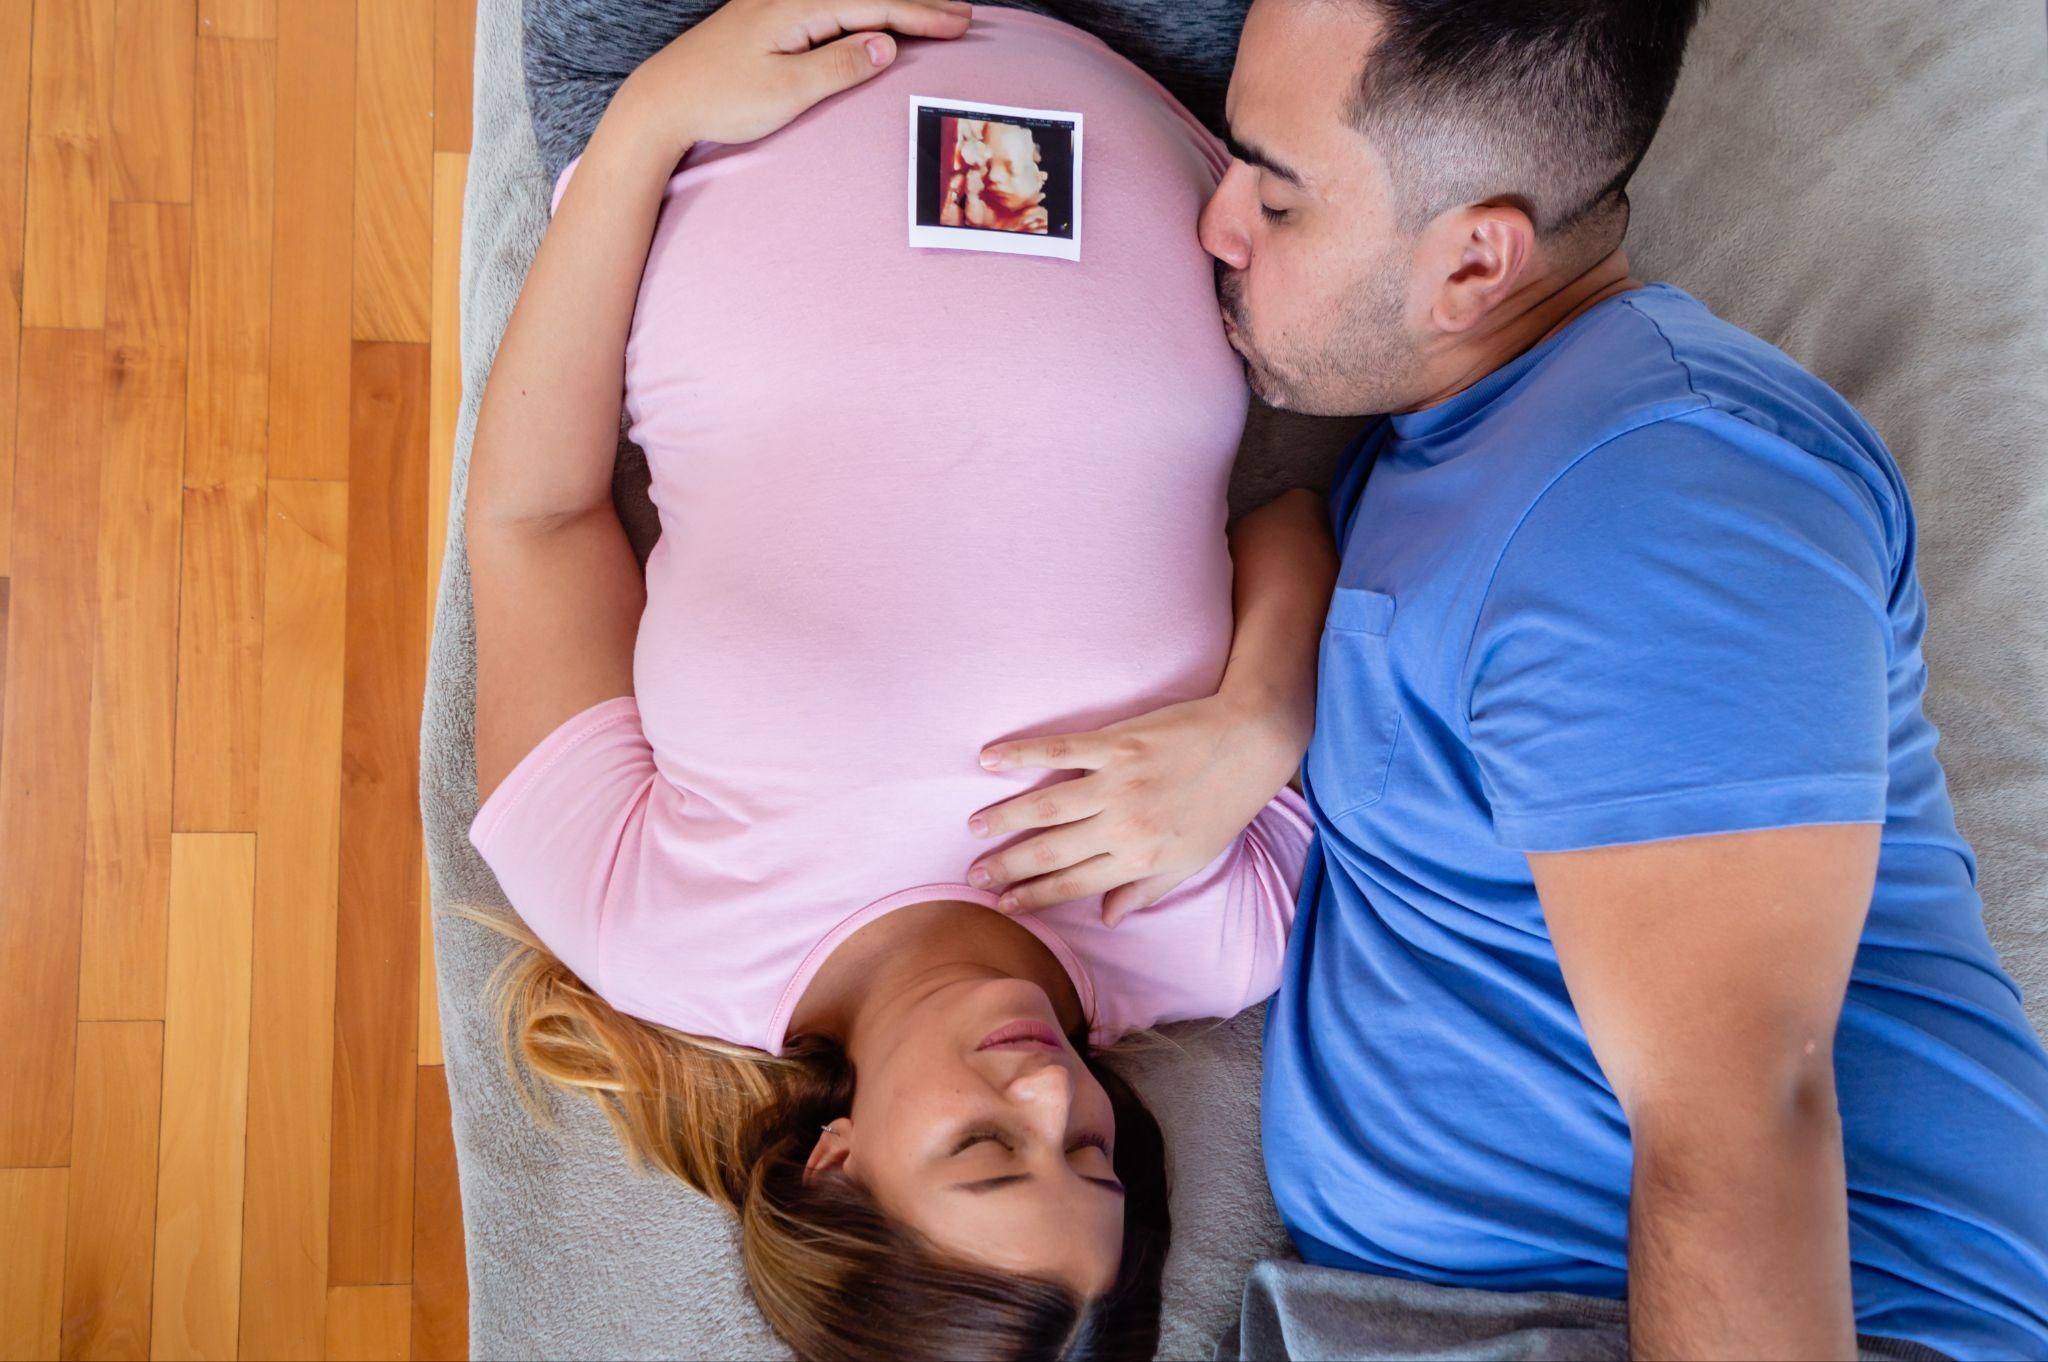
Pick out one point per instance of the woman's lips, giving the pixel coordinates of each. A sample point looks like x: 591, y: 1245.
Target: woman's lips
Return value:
x: 1022, y: 1034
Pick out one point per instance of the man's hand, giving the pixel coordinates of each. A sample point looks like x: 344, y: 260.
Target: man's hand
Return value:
x: 1708, y: 973
x: 754, y: 65
x: 1166, y: 792
x: 1163, y: 796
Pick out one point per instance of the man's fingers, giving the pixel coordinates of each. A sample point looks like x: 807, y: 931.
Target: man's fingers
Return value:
x: 1120, y: 902
x: 1092, y: 876
x: 1067, y: 802
x: 1061, y: 752
x: 1038, y: 856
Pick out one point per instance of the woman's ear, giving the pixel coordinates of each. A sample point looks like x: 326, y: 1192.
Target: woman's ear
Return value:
x: 830, y: 1153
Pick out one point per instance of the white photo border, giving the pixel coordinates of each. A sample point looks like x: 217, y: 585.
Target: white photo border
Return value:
x: 975, y: 239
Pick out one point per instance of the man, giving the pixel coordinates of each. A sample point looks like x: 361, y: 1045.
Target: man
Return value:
x: 1642, y: 955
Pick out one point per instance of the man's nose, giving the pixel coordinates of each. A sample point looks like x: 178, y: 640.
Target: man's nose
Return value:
x: 1220, y: 229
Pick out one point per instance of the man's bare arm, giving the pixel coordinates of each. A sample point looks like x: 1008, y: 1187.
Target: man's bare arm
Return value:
x: 1709, y: 973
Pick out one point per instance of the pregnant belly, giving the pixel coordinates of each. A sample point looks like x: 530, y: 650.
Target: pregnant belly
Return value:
x: 899, y: 666
x: 915, y: 500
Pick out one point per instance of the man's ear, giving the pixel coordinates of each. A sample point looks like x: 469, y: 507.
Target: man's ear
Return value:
x: 1481, y: 254
x: 833, y: 1148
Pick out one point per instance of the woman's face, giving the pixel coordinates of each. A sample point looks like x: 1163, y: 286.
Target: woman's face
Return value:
x: 976, y: 1123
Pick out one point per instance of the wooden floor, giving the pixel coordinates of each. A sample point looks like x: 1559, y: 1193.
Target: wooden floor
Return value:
x: 228, y: 384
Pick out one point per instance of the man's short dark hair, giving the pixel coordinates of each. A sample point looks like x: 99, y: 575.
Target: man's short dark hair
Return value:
x: 1549, y: 104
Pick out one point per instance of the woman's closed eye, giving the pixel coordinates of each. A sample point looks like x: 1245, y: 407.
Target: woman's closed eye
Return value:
x: 975, y: 1137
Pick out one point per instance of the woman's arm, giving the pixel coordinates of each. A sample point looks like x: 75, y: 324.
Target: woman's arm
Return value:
x: 1166, y: 792
x: 558, y: 595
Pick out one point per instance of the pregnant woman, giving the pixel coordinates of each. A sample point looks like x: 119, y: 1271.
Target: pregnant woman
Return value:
x: 911, y: 500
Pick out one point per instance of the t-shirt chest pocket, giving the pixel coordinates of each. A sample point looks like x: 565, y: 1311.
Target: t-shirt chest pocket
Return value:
x: 1358, y: 717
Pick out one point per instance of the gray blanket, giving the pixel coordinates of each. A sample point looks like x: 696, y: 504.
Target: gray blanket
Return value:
x: 1861, y: 184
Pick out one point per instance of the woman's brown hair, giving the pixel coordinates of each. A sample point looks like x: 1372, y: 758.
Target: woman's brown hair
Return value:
x: 832, y: 1275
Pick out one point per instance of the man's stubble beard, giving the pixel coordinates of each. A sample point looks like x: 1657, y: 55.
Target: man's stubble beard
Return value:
x: 1365, y: 364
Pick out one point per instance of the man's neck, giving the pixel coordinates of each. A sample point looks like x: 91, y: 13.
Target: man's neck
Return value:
x: 1533, y: 314
x: 903, y: 957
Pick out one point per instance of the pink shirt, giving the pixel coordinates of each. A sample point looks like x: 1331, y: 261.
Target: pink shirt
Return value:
x: 912, y: 501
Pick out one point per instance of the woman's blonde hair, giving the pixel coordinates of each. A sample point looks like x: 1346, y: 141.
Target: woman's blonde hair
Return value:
x: 832, y: 1275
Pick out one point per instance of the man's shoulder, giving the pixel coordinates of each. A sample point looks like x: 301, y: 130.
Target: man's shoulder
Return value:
x: 1682, y: 343
x: 1656, y: 367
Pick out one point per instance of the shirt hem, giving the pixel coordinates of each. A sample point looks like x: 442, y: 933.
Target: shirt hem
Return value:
x: 943, y: 892
x: 1745, y: 806
x: 567, y: 736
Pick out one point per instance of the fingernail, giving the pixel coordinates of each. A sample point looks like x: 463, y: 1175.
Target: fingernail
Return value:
x: 978, y: 826
x: 1007, y: 903
x: 978, y: 877
x: 990, y: 761
x: 878, y: 50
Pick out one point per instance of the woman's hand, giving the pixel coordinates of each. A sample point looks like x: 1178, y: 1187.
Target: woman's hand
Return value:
x: 754, y: 65
x: 1164, y: 795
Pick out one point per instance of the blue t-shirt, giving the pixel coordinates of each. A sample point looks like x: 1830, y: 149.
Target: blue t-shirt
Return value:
x: 1649, y: 580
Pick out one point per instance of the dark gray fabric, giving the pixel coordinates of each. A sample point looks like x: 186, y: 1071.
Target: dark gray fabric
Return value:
x: 576, y: 52
x: 1297, y: 1312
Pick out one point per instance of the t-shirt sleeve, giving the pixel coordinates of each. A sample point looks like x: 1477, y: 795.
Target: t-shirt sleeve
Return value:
x: 559, y: 826
x: 1687, y: 634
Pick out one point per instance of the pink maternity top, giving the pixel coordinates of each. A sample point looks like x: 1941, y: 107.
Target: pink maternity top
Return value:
x: 912, y: 501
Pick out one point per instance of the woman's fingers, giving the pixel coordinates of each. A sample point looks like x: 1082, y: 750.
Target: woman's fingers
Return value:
x: 1092, y: 876
x: 1045, y: 854
x: 1060, y: 752
x: 844, y: 64
x: 812, y: 22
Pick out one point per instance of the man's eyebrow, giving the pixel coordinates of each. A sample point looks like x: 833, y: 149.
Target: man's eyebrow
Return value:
x: 1252, y: 156
x: 1007, y: 1179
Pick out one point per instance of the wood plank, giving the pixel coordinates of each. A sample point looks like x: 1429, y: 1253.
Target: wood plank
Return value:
x: 291, y: 1054
x: 239, y: 18
x: 394, y: 169
x: 71, y: 68
x: 150, y: 110
x: 314, y: 239
x: 205, y: 1097
x: 440, y: 1276
x: 376, y: 967
x: 218, y: 739
x: 233, y: 190
x: 14, y: 48
x: 113, y: 1190
x: 135, y: 645
x: 454, y: 57
x: 47, y: 721
x: 33, y: 1207
x: 368, y: 1323
x: 444, y: 401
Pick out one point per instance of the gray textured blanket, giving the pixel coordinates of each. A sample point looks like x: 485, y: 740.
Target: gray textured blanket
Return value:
x: 1861, y: 184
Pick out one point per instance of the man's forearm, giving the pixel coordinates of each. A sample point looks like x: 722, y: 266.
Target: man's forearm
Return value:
x: 1738, y: 1239
x: 548, y: 425
x: 1284, y: 566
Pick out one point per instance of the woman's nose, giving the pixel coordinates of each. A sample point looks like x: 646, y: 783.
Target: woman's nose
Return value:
x: 1045, y: 1094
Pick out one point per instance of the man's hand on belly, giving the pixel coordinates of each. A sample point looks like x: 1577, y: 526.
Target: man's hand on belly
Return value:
x: 1167, y: 792
x: 1163, y: 795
